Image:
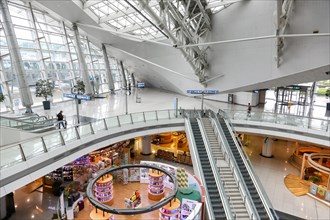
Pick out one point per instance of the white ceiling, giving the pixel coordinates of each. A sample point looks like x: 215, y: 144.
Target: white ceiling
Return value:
x: 164, y: 66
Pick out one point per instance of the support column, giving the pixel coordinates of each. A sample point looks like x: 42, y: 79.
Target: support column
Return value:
x: 82, y: 62
x: 267, y: 148
x: 6, y: 90
x: 108, y: 70
x: 16, y: 58
x: 146, y: 145
x: 124, y: 81
x: 133, y: 79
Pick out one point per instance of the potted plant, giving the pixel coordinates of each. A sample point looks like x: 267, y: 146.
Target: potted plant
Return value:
x: 78, y: 88
x: 44, y: 88
x: 2, y: 97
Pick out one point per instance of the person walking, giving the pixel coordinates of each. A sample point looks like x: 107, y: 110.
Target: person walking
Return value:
x: 60, y: 120
x: 249, y: 110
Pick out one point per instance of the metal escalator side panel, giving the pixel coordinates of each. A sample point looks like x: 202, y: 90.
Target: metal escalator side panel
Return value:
x: 254, y: 186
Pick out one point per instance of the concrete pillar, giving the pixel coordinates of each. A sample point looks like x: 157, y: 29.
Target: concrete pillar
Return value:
x: 267, y: 148
x: 146, y: 145
x: 82, y: 62
x: 124, y: 81
x: 108, y: 70
x: 16, y: 58
x: 262, y: 96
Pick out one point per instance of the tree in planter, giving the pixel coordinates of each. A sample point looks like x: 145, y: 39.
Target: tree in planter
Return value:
x: 44, y: 88
x: 78, y: 89
x: 2, y: 97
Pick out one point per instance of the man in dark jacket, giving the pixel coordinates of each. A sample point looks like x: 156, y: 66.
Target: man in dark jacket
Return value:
x: 60, y: 118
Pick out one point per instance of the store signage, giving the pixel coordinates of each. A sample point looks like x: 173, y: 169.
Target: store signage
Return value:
x: 75, y: 96
x: 203, y: 91
x: 140, y: 84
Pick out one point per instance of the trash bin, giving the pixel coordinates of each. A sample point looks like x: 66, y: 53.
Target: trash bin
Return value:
x: 230, y: 98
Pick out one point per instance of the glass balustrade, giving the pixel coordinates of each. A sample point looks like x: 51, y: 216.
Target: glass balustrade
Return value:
x: 283, y: 119
x: 11, y: 155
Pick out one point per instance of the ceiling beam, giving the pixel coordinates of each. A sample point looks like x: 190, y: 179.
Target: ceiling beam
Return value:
x: 90, y: 3
x: 218, y: 3
x: 123, y: 13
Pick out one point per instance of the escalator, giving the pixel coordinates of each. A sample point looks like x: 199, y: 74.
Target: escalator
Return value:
x: 261, y: 209
x: 34, y: 123
x: 210, y: 183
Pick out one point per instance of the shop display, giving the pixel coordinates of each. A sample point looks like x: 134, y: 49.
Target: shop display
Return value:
x: 182, y: 177
x: 103, y: 189
x: 170, y: 211
x: 68, y: 173
x: 187, y: 207
x: 100, y: 215
x: 156, y: 185
x: 80, y: 166
x: 134, y: 201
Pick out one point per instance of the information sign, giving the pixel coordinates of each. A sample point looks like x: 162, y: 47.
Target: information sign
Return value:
x: 203, y: 91
x: 140, y: 85
x: 75, y: 96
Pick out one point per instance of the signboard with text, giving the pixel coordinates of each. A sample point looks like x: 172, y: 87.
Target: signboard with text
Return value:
x: 76, y: 96
x: 203, y: 91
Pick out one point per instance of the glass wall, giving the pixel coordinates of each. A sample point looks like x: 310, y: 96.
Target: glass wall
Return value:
x: 48, y: 51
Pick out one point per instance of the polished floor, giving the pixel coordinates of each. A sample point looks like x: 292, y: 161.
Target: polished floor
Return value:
x: 271, y: 171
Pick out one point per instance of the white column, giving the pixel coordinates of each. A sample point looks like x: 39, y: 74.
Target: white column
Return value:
x: 16, y: 58
x: 267, y: 148
x: 82, y: 62
x: 108, y: 69
x: 146, y: 145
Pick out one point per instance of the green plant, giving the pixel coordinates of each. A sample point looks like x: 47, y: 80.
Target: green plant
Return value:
x: 44, y: 88
x: 79, y: 88
x: 2, y: 97
x: 327, y: 93
x: 321, y: 91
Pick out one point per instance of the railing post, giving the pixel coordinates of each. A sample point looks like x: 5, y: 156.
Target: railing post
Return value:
x: 105, y: 124
x: 22, y: 152
x: 169, y: 115
x: 62, y: 139
x: 144, y: 117
x: 156, y: 116
x: 77, y: 133
x: 44, y: 145
x: 131, y: 118
x: 92, y: 130
x: 118, y: 121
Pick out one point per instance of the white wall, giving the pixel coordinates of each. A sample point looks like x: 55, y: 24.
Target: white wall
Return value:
x: 252, y: 62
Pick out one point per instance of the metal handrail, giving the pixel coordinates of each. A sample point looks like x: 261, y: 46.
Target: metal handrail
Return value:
x: 193, y: 154
x: 276, y: 117
x: 248, y: 165
x: 218, y: 181
x: 78, y: 135
x: 234, y: 166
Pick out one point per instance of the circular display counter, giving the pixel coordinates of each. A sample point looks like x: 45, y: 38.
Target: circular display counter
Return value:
x: 170, y: 210
x: 100, y: 215
x: 156, y: 185
x: 103, y: 189
x: 165, y: 138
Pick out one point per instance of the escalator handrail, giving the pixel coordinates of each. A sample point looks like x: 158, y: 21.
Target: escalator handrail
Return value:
x: 217, y: 177
x: 236, y: 168
x: 193, y: 149
x: 258, y: 185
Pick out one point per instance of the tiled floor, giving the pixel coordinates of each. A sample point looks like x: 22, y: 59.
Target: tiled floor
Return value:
x: 271, y: 172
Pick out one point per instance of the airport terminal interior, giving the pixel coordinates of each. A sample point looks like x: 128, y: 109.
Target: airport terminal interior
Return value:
x: 164, y: 109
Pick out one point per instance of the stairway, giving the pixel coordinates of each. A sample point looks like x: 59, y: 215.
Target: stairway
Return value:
x: 210, y: 183
x: 231, y: 188
x: 261, y: 209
